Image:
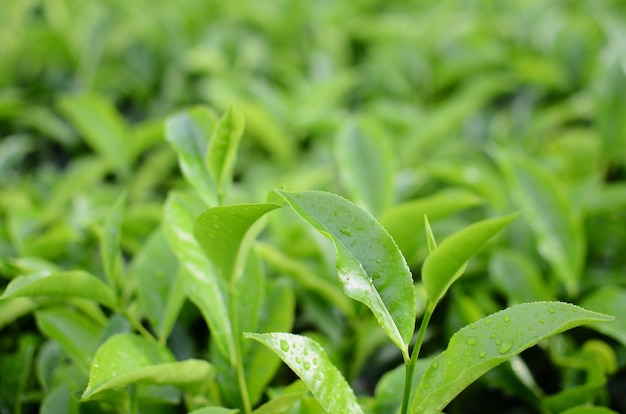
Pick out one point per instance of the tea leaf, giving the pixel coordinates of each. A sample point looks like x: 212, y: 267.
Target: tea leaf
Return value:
x: 368, y: 177
x: 161, y: 291
x: 586, y: 409
x: 445, y: 264
x: 76, y: 284
x: 371, y: 269
x: 101, y: 126
x: 281, y: 404
x: 77, y: 334
x: 110, y: 242
x: 610, y: 300
x: 222, y: 150
x: 310, y: 362
x: 189, y: 133
x: 202, y: 285
x: 405, y: 222
x: 127, y: 359
x: 559, y: 230
x: 226, y: 233
x: 477, y: 348
x: 214, y: 410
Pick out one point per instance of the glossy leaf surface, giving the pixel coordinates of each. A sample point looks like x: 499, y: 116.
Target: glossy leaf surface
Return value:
x: 444, y: 265
x: 310, y: 362
x: 127, y: 359
x: 370, y: 266
x: 77, y: 284
x: 482, y: 345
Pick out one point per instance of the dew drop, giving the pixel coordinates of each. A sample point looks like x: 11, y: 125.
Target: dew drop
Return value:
x: 378, y: 260
x: 507, y: 318
x: 314, y: 361
x: 498, y: 342
x: 473, y: 326
x: 551, y: 310
x: 542, y: 320
x: 284, y: 345
x: 435, y: 365
x: 470, y: 340
x: 306, y: 365
x: 306, y: 351
x: 298, y: 360
x: 493, y: 335
x: 216, y: 226
x: 346, y: 231
x: 487, y: 322
x: 482, y: 354
x: 506, y: 346
x: 530, y: 328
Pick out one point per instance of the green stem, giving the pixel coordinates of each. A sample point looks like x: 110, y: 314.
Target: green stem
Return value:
x: 138, y: 326
x: 410, y: 368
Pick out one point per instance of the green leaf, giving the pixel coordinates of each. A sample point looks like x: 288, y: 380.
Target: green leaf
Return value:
x: 281, y: 404
x: 405, y: 222
x: 161, y: 291
x: 12, y: 309
x: 518, y: 277
x: 101, y: 127
x: 15, y: 371
x: 59, y: 400
x: 365, y: 166
x: 558, y: 228
x: 586, y: 409
x: 110, y: 242
x: 220, y: 158
x: 202, y: 285
x: 310, y: 362
x: 77, y: 334
x: 444, y: 265
x: 479, y: 347
x: 76, y: 284
x: 226, y: 234
x: 612, y: 301
x: 371, y: 269
x: 189, y: 133
x: 127, y: 359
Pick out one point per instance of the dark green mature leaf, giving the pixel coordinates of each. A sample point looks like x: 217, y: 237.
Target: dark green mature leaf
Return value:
x: 77, y: 334
x: 445, y: 264
x: 365, y: 166
x: 482, y: 345
x: 220, y: 158
x: 214, y: 410
x: 76, y: 284
x: 14, y: 372
x: 101, y: 126
x: 371, y: 269
x: 586, y: 409
x: 610, y: 300
x: 558, y: 228
x: 127, y: 359
x: 310, y: 362
x: 189, y: 134
x: 202, y: 285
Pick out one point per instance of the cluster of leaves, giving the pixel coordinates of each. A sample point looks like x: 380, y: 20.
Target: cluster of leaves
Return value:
x: 129, y: 289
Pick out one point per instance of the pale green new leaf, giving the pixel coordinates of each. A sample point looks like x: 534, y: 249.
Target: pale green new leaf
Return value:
x: 226, y: 234
x: 77, y: 284
x: 370, y: 266
x: 214, y: 410
x: 405, y: 222
x: 480, y: 346
x: 310, y: 362
x: 189, y: 133
x: 220, y: 157
x: 546, y: 206
x: 126, y: 359
x: 202, y: 285
x: 444, y: 265
x: 281, y: 404
x: 586, y: 409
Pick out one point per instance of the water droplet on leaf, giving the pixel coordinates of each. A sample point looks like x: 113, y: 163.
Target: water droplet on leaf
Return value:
x: 507, y: 318
x: 506, y: 346
x: 284, y: 345
x: 482, y: 354
x: 470, y: 340
x: 346, y: 231
x: 551, y: 310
